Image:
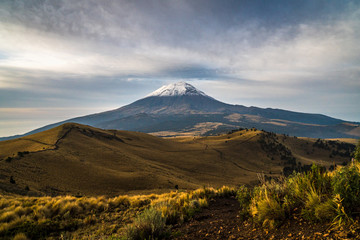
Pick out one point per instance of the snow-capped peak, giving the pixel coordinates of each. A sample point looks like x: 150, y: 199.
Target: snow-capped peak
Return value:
x: 177, y: 89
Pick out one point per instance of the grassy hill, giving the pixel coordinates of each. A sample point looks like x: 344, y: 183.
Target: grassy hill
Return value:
x: 81, y: 160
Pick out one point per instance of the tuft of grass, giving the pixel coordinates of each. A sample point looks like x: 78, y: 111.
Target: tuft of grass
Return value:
x: 266, y: 209
x: 326, y: 211
x: 150, y: 224
x: 20, y: 236
x: 312, y: 201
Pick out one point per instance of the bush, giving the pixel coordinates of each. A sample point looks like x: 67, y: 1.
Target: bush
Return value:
x: 243, y: 195
x: 312, y: 201
x: 225, y: 191
x: 326, y: 211
x: 266, y: 208
x: 150, y: 224
x: 305, y: 188
x: 346, y: 183
x: 171, y: 214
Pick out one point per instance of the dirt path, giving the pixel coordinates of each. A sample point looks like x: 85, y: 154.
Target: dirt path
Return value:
x: 219, y: 221
x: 222, y: 221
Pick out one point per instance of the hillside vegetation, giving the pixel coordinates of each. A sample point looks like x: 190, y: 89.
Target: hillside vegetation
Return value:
x: 85, y: 161
x: 327, y: 200
x: 86, y: 217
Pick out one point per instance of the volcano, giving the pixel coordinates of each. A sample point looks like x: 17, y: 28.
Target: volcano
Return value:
x: 181, y: 109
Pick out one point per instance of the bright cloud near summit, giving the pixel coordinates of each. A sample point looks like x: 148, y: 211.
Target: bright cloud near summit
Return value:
x: 62, y: 59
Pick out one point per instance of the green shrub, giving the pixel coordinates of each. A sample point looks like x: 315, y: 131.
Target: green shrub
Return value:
x: 319, y: 179
x: 305, y: 188
x: 312, y: 201
x: 346, y: 183
x: 266, y: 208
x: 243, y: 195
x: 326, y: 211
x: 150, y: 224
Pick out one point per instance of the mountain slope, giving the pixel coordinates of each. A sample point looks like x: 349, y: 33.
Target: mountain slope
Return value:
x: 184, y: 103
x: 78, y: 159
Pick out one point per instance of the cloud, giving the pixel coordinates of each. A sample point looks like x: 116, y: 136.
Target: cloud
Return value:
x: 88, y: 52
x: 92, y: 38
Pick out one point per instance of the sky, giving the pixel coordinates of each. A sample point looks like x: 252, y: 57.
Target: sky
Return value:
x: 63, y: 58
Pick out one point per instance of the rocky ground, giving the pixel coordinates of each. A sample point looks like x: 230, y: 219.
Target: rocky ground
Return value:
x: 221, y: 220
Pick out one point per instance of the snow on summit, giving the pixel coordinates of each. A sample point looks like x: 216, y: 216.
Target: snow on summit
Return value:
x: 176, y: 89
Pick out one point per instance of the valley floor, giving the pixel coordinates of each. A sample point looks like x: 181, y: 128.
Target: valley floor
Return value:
x: 221, y: 220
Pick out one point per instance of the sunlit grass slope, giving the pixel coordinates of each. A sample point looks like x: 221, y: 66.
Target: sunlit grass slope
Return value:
x: 86, y: 161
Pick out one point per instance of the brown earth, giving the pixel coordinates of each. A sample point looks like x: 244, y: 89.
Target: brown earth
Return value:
x: 221, y: 220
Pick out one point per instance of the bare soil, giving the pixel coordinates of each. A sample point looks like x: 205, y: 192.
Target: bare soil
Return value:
x: 221, y: 220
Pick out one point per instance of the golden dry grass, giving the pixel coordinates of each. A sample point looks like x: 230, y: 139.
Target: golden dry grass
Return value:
x: 86, y: 217
x: 83, y: 160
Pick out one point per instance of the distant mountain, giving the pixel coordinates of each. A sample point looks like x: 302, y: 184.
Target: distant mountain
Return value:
x: 180, y: 108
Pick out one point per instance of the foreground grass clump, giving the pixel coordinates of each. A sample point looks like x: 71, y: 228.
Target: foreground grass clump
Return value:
x: 150, y: 224
x: 317, y: 196
x: 170, y: 209
x: 143, y: 216
x: 42, y: 217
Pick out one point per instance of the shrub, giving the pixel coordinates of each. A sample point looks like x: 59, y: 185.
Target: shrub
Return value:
x: 170, y: 213
x: 313, y: 200
x: 243, y: 195
x: 318, y: 195
x: 346, y: 183
x: 150, y: 224
x: 305, y: 188
x: 226, y: 191
x: 320, y: 179
x: 326, y: 211
x: 266, y: 208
